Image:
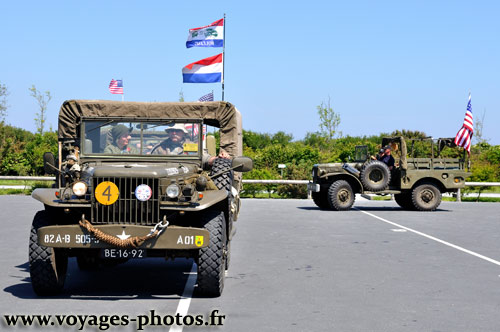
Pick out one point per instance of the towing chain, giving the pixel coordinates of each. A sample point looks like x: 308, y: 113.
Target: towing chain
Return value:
x: 132, y: 242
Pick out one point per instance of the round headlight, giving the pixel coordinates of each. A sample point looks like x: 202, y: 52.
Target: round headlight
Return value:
x: 79, y: 188
x: 173, y: 191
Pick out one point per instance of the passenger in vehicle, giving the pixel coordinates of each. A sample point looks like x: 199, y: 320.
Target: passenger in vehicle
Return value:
x: 120, y: 144
x: 380, y: 154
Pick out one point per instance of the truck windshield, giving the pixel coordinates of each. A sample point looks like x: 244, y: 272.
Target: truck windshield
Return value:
x: 114, y: 137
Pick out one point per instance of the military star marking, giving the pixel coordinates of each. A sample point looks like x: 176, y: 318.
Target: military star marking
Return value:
x: 123, y: 236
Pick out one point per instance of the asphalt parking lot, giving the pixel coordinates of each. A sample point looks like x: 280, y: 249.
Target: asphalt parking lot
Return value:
x: 296, y: 268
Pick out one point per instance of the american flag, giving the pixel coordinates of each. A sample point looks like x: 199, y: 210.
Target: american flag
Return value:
x: 464, y: 135
x: 116, y: 87
x: 194, y: 128
x: 207, y: 97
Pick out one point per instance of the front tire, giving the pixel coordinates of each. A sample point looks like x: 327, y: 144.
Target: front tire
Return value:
x: 341, y: 196
x: 321, y: 200
x: 48, y: 266
x: 212, y: 259
x: 404, y: 201
x: 426, y: 197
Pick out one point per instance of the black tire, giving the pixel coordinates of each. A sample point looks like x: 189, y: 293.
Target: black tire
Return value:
x: 426, y: 197
x: 321, y: 200
x: 228, y: 254
x: 48, y: 266
x: 341, y: 196
x: 225, y: 180
x: 375, y: 176
x: 404, y: 201
x: 212, y: 259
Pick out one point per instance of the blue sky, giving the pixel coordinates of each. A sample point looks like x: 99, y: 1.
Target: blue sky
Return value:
x: 385, y: 65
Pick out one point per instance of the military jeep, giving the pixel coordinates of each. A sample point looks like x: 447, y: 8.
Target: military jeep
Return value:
x: 113, y: 202
x: 417, y: 183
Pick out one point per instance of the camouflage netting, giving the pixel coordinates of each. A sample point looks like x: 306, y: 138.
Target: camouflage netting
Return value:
x: 219, y: 114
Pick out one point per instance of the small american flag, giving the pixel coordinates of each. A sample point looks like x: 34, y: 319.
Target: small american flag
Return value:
x: 194, y: 128
x: 464, y: 135
x: 207, y: 97
x: 116, y: 87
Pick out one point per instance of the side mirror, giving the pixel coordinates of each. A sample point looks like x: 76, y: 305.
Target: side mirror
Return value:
x: 49, y: 163
x: 242, y: 164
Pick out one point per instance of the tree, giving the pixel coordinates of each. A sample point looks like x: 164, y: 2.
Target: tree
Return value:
x: 281, y: 138
x: 409, y: 133
x: 42, y: 100
x: 478, y: 129
x: 181, y: 96
x: 3, y: 101
x: 329, y: 120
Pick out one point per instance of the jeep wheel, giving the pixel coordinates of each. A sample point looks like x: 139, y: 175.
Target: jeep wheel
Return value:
x: 341, y: 196
x: 212, y: 260
x: 375, y: 176
x: 426, y: 197
x: 404, y: 200
x: 47, y: 265
x: 321, y: 200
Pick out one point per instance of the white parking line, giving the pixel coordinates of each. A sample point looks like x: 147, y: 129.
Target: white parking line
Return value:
x: 433, y: 238
x: 183, y: 307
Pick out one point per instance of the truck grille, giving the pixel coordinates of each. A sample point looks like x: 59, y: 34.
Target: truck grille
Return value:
x: 127, y: 209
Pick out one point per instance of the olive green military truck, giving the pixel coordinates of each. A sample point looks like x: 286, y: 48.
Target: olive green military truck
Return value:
x: 417, y: 183
x: 139, y: 180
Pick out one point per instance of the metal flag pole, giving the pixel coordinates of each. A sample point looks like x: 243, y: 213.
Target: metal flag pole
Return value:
x: 223, y: 54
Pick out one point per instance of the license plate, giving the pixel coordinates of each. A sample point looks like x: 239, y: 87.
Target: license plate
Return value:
x: 122, y: 253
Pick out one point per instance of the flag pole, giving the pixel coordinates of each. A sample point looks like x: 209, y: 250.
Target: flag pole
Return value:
x: 223, y: 54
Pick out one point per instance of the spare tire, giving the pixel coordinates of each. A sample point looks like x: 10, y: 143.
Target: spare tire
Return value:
x: 375, y: 176
x: 225, y: 180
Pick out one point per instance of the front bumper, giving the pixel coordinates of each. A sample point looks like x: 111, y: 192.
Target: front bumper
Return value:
x: 313, y: 187
x: 75, y: 236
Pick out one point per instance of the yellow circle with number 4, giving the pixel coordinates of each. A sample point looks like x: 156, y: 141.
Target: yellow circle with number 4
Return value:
x: 107, y: 193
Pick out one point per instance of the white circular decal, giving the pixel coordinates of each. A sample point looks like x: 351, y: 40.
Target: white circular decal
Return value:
x: 143, y: 192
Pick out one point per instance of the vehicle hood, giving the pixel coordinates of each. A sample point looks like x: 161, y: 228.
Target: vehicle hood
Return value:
x: 143, y: 170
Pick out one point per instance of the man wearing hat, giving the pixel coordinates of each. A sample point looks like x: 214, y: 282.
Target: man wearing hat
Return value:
x: 173, y: 145
x: 387, y: 158
x: 121, y: 137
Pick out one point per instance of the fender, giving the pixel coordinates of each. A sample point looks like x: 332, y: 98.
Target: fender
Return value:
x: 48, y: 197
x: 343, y: 176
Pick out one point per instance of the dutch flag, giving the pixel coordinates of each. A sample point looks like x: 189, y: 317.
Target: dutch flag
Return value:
x: 208, y: 70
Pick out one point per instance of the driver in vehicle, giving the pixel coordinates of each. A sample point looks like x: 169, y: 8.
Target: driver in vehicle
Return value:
x: 174, y: 145
x: 387, y: 158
